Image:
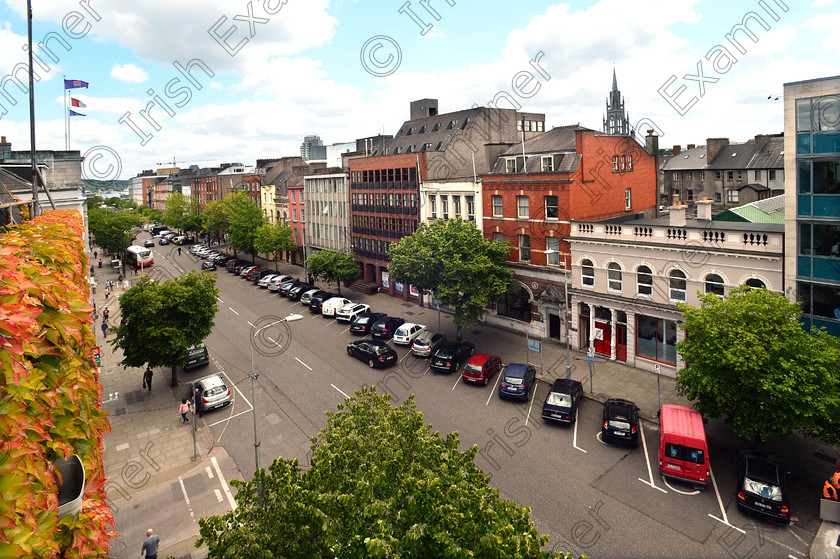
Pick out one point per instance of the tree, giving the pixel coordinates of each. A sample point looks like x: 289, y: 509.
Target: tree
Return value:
x: 162, y: 320
x: 175, y: 209
x: 332, y: 266
x: 275, y: 239
x: 150, y: 214
x: 245, y: 219
x: 452, y: 260
x: 192, y: 219
x: 216, y: 217
x: 750, y: 362
x: 113, y: 230
x: 381, y: 484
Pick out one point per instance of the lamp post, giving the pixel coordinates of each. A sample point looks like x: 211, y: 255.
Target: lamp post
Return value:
x: 565, y: 309
x: 253, y: 375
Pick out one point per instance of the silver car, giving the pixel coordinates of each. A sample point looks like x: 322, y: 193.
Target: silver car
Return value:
x: 427, y: 343
x: 214, y: 392
x: 278, y: 280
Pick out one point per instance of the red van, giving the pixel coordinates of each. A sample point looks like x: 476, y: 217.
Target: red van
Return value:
x: 683, y: 452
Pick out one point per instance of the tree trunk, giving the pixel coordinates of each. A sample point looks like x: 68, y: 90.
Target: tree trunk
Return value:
x: 174, y: 377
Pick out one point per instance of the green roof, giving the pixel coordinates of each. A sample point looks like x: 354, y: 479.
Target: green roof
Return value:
x: 769, y: 210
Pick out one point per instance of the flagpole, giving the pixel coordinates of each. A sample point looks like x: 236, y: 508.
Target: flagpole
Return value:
x: 66, y: 117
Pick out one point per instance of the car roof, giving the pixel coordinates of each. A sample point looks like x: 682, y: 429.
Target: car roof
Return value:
x: 211, y: 381
x: 762, y: 467
x: 409, y: 324
x: 564, y: 385
x: 516, y: 370
x: 482, y: 358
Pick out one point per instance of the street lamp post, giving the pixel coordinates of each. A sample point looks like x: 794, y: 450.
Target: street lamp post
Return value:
x: 253, y: 375
x: 565, y: 310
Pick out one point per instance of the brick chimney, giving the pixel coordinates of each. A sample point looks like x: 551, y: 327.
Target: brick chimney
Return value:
x: 713, y: 147
x: 761, y: 141
x: 704, y: 209
x: 690, y: 146
x: 676, y: 213
x: 677, y: 150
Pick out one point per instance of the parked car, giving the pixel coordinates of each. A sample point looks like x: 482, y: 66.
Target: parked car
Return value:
x: 242, y: 266
x: 180, y: 240
x: 223, y: 259
x: 407, y: 333
x: 306, y: 296
x: 246, y: 269
x: 317, y: 301
x: 208, y: 265
x: 197, y: 356
x: 349, y: 312
x: 450, y: 356
x: 232, y: 265
x: 762, y: 486
x: 384, y: 328
x: 265, y: 280
x: 517, y: 381
x: 331, y: 306
x: 149, y: 243
x: 297, y: 291
x: 214, y: 392
x: 621, y: 422
x: 277, y: 281
x: 257, y: 275
x: 562, y: 401
x: 481, y: 368
x: 373, y: 352
x: 284, y: 289
x: 427, y: 343
x: 365, y: 321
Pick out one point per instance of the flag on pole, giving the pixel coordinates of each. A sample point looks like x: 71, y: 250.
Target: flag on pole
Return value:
x: 73, y: 84
x: 74, y: 113
x: 76, y: 103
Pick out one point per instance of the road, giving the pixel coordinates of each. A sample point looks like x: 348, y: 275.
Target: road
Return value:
x: 589, y: 497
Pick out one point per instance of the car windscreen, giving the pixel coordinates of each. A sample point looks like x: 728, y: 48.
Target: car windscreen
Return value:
x: 514, y: 381
x: 559, y: 399
x: 380, y: 350
x: 216, y: 390
x: 470, y: 368
x: 444, y: 354
x: 763, y: 489
x: 362, y: 320
x: 196, y: 351
x: 619, y: 424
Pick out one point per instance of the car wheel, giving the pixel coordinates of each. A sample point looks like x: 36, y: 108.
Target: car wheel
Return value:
x: 349, y: 352
x: 486, y: 381
x: 370, y: 363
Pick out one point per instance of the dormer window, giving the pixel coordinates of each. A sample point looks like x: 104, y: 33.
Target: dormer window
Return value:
x: 464, y: 125
x: 437, y: 127
x: 409, y: 132
x: 452, y: 124
x: 423, y: 129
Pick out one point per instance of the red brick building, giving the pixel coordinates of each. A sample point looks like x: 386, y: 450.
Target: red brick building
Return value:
x: 568, y: 173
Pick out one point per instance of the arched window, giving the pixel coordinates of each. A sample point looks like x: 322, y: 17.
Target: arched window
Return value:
x: 714, y: 284
x: 587, y: 273
x: 755, y: 284
x: 676, y: 282
x: 644, y: 281
x: 614, y: 276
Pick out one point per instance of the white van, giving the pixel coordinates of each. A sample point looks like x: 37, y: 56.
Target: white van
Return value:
x: 330, y: 306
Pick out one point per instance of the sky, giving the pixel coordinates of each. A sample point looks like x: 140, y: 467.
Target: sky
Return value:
x: 212, y: 81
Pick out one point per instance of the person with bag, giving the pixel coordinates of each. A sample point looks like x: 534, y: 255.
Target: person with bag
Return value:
x: 184, y: 409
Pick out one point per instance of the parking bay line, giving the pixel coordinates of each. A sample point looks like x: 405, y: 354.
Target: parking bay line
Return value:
x: 458, y: 381
x: 574, y: 438
x: 495, y: 385
x: 233, y: 311
x: 225, y: 486
x: 250, y: 406
x: 534, y: 397
x: 302, y: 363
x: 720, y: 503
x: 647, y: 459
x: 340, y: 390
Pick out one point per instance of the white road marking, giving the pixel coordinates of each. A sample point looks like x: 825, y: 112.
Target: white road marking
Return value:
x: 186, y: 497
x: 222, y: 302
x: 340, y: 390
x: 404, y: 357
x: 228, y: 418
x: 345, y: 330
x: 251, y: 325
x: 720, y: 503
x: 458, y: 381
x: 209, y: 472
x: 574, y: 438
x: 647, y: 459
x: 233, y: 311
x: 218, y: 494
x: 272, y: 341
x: 675, y: 490
x: 302, y: 363
x: 225, y: 487
x: 534, y: 397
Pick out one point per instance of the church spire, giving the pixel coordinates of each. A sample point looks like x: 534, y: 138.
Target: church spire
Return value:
x: 616, y: 121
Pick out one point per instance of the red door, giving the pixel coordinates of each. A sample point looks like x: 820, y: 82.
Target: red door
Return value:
x: 621, y: 342
x: 602, y: 346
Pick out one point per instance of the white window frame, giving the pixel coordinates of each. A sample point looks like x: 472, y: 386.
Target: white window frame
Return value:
x: 628, y: 202
x: 556, y: 206
x: 547, y: 163
x: 519, y: 207
x: 432, y: 206
x: 587, y: 280
x: 614, y: 282
x: 677, y: 294
x: 500, y: 206
x: 552, y: 244
x: 524, y: 248
x: 471, y: 208
x: 642, y: 287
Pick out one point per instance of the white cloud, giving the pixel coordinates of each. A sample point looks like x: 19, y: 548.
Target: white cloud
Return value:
x: 129, y: 73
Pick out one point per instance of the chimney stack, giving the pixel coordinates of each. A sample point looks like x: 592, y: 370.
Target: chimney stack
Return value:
x: 677, y: 150
x: 676, y: 213
x: 690, y: 146
x: 704, y: 209
x: 713, y: 147
x: 652, y: 143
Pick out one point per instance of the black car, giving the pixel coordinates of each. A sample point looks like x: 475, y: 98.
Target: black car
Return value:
x: 517, y: 381
x: 364, y: 321
x: 231, y: 265
x: 284, y: 289
x: 223, y: 259
x: 297, y: 291
x: 237, y: 269
x: 621, y: 422
x: 163, y: 242
x: 316, y: 302
x: 257, y: 276
x: 196, y: 357
x: 373, y: 352
x: 562, y: 401
x: 451, y: 355
x: 761, y: 486
x: 384, y: 328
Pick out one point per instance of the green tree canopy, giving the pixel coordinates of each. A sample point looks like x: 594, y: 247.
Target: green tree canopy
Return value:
x: 152, y: 215
x: 175, y: 210
x: 216, y: 217
x: 332, y: 267
x: 381, y: 484
x: 455, y: 262
x: 750, y: 362
x: 245, y: 219
x: 192, y: 217
x: 113, y: 229
x: 162, y: 320
x: 274, y: 239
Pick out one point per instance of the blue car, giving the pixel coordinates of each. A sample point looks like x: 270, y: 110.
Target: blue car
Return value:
x: 561, y: 404
x: 517, y: 381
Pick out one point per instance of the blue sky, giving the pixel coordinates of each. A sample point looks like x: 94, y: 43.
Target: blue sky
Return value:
x: 302, y: 67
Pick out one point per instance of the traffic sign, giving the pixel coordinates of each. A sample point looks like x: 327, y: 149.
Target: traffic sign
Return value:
x: 534, y: 345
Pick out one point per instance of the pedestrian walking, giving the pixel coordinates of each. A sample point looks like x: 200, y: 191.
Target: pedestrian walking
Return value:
x: 150, y: 546
x: 104, y: 329
x: 184, y: 409
x: 100, y: 262
x: 119, y: 278
x: 147, y: 378
x: 197, y: 401
x: 179, y: 251
x: 135, y: 271
x: 107, y: 292
x: 95, y: 254
x: 105, y: 314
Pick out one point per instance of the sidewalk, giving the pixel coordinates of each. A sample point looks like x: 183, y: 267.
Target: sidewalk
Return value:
x: 148, y: 445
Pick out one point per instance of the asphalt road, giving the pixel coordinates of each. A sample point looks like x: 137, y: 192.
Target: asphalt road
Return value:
x: 589, y: 497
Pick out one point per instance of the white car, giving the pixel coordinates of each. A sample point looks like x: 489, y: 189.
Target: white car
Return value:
x: 331, y: 306
x: 264, y: 281
x: 307, y: 295
x: 406, y: 333
x: 278, y: 280
x: 349, y: 313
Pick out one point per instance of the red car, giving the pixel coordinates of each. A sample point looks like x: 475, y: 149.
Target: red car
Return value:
x: 481, y: 368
